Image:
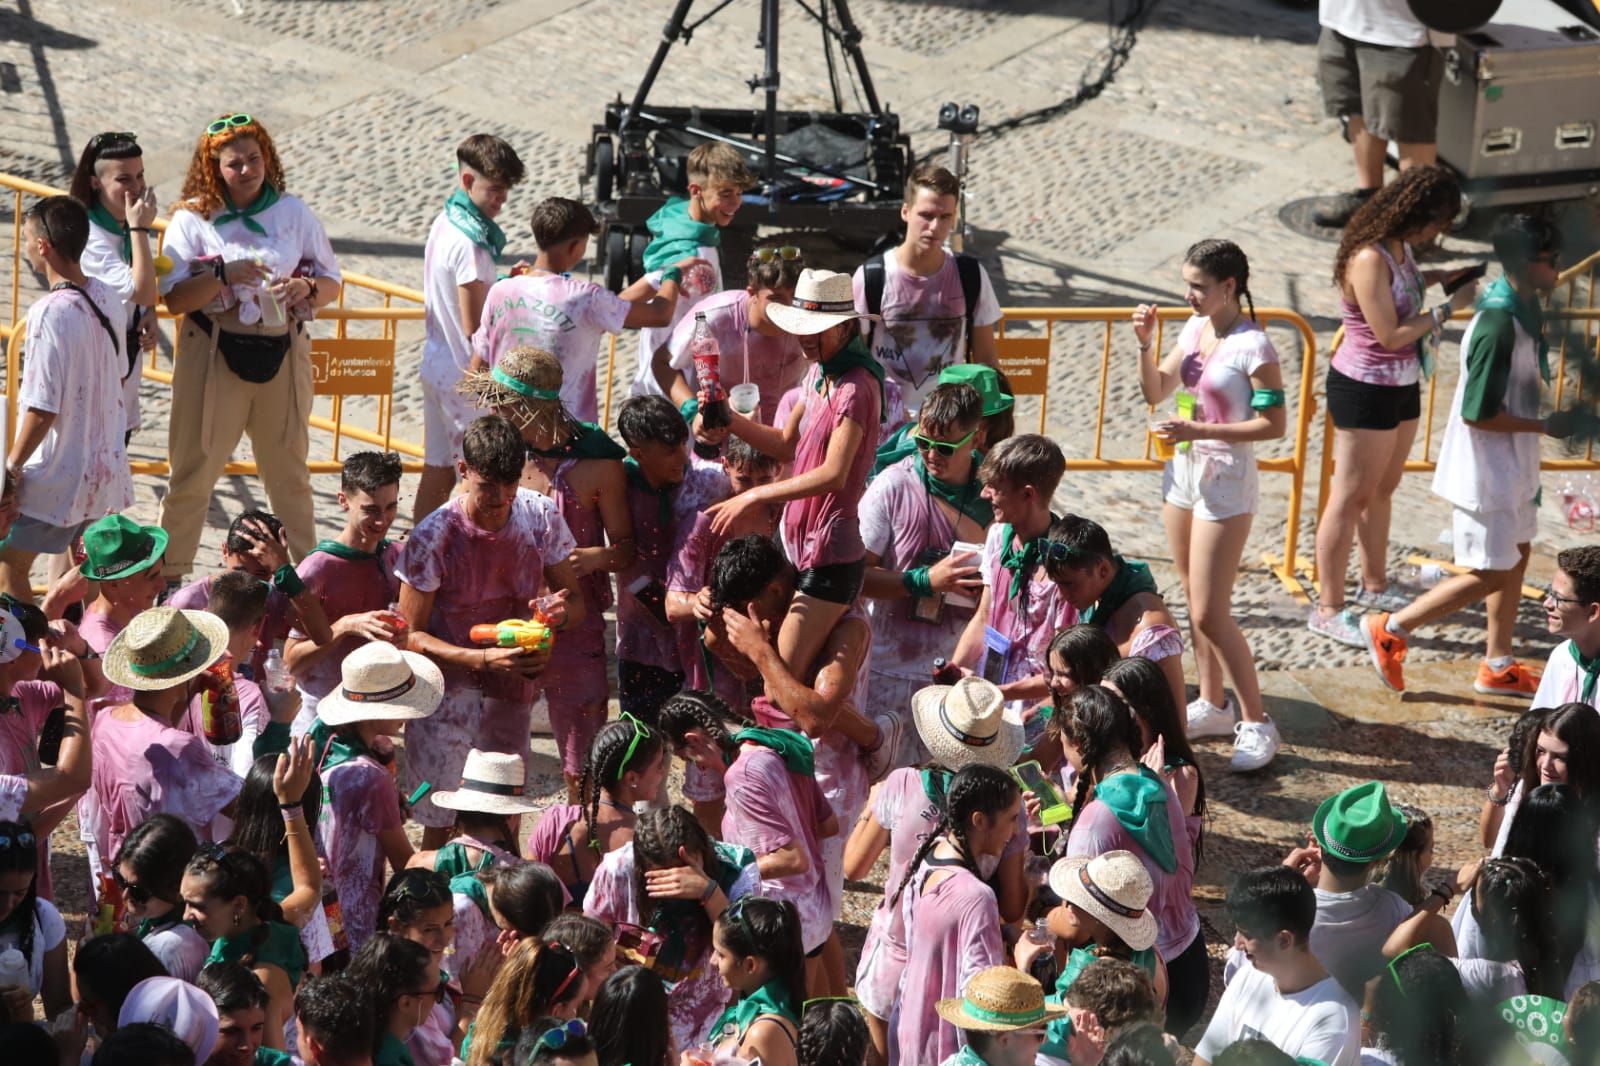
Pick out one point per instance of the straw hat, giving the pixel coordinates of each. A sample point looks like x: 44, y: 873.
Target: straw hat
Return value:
x: 177, y: 1005
x: 164, y: 647
x: 821, y: 299
x: 492, y: 782
x: 966, y: 723
x: 1000, y: 999
x: 525, y: 385
x: 379, y: 681
x: 1359, y: 824
x: 1115, y: 888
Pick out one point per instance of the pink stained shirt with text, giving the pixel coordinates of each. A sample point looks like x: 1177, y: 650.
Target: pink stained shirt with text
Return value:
x: 956, y: 927
x: 345, y: 587
x: 823, y: 529
x: 362, y: 802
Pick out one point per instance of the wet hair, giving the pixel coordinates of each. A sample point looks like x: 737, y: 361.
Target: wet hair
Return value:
x: 238, y: 598
x: 935, y: 179
x: 657, y: 837
x: 15, y: 859
x: 1268, y: 900
x: 1140, y: 1044
x: 409, y: 893
x: 951, y: 408
x: 1074, y: 544
x: 1403, y: 872
x: 527, y: 894
x: 494, y: 450
x: 257, y: 818
x: 62, y: 221
x: 1116, y: 992
x: 702, y: 710
x: 1253, y: 1052
x: 557, y: 220
x: 832, y: 1031
x: 767, y: 929
x: 587, y: 938
x: 1521, y: 237
x: 1222, y: 261
x: 1145, y: 690
x: 740, y: 454
x: 230, y: 872
x: 203, y: 189
x: 1421, y: 1013
x: 651, y: 420
x: 101, y: 146
x: 1511, y: 901
x: 369, y: 471
x: 1582, y: 1024
x: 532, y: 980
x: 1578, y: 726
x: 336, y: 1012
x: 603, y: 768
x: 107, y: 967
x: 772, y: 273
x: 389, y: 967
x: 530, y: 1052
x: 1028, y: 459
x: 629, y: 1020
x: 158, y: 849
x: 1582, y: 565
x: 1098, y: 723
x: 711, y: 165
x: 491, y: 157
x: 1555, y: 829
x: 143, y: 1044
x: 240, y: 540
x: 1420, y: 197
x: 743, y: 568
x: 975, y: 789
x: 232, y: 986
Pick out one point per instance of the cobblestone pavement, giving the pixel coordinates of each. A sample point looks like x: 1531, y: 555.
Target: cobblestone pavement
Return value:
x: 1210, y: 129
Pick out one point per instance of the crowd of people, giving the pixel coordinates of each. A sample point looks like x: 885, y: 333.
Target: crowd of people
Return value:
x: 843, y: 599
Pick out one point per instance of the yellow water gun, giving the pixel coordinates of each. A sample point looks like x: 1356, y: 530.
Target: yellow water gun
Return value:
x: 514, y: 633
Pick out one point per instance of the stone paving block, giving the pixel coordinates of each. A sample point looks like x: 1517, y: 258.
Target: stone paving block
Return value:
x: 369, y: 27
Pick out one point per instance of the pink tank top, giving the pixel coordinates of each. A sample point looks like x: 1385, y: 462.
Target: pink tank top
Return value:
x: 1361, y: 357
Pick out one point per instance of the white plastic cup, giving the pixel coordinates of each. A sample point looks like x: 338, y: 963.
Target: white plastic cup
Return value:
x: 745, y: 398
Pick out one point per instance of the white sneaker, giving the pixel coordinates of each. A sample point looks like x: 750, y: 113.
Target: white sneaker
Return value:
x: 1342, y: 626
x: 1254, y: 745
x: 880, y: 760
x: 1206, y: 719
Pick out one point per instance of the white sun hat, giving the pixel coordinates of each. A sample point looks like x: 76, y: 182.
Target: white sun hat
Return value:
x: 967, y: 723
x: 492, y: 782
x: 379, y: 681
x: 822, y: 299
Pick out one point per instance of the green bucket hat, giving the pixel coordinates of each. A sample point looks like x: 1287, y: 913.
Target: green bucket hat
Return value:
x: 1536, y: 1020
x: 982, y: 378
x: 1359, y: 824
x: 118, y: 547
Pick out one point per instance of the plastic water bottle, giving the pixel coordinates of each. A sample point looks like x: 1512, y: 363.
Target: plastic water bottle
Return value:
x: 13, y: 969
x: 278, y: 677
x: 708, y: 370
x: 1422, y: 577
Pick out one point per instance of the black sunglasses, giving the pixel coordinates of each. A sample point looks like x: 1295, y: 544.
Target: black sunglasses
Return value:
x: 105, y: 140
x: 135, y: 892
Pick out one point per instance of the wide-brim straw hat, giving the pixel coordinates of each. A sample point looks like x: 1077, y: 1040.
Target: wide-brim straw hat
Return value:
x: 967, y: 723
x: 164, y: 647
x: 522, y: 384
x: 380, y: 682
x: 1113, y: 887
x: 492, y: 782
x: 822, y: 299
x: 1000, y: 999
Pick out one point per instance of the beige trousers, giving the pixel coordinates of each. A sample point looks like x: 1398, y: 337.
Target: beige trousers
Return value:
x: 212, y: 407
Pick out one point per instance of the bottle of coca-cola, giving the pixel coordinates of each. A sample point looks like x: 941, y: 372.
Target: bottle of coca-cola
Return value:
x: 708, y: 370
x: 219, y: 706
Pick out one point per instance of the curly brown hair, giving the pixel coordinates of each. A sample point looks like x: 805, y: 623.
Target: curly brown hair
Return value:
x: 1420, y: 197
x: 203, y: 191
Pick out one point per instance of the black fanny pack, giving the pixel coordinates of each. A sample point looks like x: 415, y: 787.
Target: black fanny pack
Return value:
x: 253, y: 358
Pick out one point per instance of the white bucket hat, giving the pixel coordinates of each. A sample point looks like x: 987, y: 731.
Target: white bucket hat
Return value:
x: 164, y: 647
x: 1115, y: 888
x: 967, y: 723
x: 379, y: 681
x: 492, y: 782
x: 822, y: 299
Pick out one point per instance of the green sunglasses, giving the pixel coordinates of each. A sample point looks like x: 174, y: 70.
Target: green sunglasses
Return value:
x: 1395, y: 977
x: 945, y: 448
x: 640, y: 732
x: 222, y: 125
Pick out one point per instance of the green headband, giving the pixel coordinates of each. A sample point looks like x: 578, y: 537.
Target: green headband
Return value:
x: 522, y: 387
x: 154, y: 669
x: 1002, y: 1017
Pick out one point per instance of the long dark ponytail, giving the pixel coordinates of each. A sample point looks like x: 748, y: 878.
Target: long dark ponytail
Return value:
x: 1145, y: 690
x: 768, y: 929
x: 603, y: 769
x: 1098, y: 723
x: 976, y: 789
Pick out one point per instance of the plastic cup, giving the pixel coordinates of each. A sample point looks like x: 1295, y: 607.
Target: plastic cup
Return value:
x: 745, y: 398
x: 702, y: 1055
x: 1160, y: 447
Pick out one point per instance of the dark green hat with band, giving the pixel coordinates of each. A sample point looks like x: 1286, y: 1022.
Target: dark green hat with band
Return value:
x: 118, y: 547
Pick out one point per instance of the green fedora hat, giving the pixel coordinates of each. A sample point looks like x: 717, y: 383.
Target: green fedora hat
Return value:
x: 1359, y: 824
x: 118, y: 547
x: 982, y: 378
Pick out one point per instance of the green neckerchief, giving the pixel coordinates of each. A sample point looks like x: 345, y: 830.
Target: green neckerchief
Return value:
x: 897, y: 447
x: 961, y: 497
x: 674, y: 235
x: 265, y: 199
x: 103, y: 218
x: 1139, y: 801
x: 589, y: 442
x: 1020, y: 561
x: 848, y: 358
x: 770, y: 998
x: 392, y: 1052
x: 663, y: 495
x: 1529, y: 315
x: 1059, y: 1031
x: 480, y: 229
x: 1129, y: 581
x: 468, y: 885
x: 281, y: 948
x: 795, y: 748
x: 451, y: 860
x: 935, y: 782
x: 267, y: 1056
x: 1590, y: 669
x: 965, y: 1057
x: 156, y: 925
x: 330, y: 748
x: 340, y: 550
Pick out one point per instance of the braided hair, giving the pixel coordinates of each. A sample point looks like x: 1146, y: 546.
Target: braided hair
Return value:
x: 22, y: 856
x: 657, y: 838
x: 229, y: 872
x: 769, y: 930
x: 1511, y: 898
x: 1099, y: 724
x: 603, y: 769
x: 975, y: 789
x: 1223, y: 260
x: 832, y: 1032
x: 702, y: 710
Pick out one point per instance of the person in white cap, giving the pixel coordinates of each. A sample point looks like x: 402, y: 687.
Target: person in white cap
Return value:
x: 361, y: 825
x: 831, y: 439
x: 179, y: 1006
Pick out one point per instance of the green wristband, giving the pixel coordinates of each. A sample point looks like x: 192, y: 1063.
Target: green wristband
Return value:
x: 917, y: 582
x: 689, y: 408
x: 286, y: 581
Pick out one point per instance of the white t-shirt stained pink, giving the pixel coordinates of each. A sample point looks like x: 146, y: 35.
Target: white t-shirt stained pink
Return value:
x: 450, y: 261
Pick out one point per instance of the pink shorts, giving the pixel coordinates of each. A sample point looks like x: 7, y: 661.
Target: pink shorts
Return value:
x: 576, y: 688
x: 437, y: 746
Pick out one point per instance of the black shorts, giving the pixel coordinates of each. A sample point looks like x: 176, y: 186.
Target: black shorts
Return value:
x: 1354, y: 404
x: 838, y: 583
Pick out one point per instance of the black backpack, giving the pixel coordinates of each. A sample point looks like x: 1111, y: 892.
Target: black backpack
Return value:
x: 967, y: 267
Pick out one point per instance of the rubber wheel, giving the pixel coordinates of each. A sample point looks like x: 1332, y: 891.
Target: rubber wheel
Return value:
x: 637, y: 242
x: 605, y: 169
x: 616, y: 265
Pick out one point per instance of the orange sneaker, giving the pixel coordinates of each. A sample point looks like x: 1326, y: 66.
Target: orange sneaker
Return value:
x: 1514, y: 680
x: 1387, y: 650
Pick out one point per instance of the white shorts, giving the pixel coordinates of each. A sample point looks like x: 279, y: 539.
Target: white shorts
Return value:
x: 445, y: 417
x: 1490, y: 540
x: 1210, y: 486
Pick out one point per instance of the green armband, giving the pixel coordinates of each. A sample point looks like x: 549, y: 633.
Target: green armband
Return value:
x: 916, y: 581
x: 671, y: 274
x: 1266, y: 399
x: 286, y: 581
x: 689, y: 408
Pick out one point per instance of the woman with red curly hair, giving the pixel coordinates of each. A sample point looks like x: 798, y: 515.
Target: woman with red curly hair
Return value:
x: 250, y: 266
x: 1374, y: 396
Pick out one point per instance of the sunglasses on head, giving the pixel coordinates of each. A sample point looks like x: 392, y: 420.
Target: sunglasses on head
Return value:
x: 222, y: 125
x: 211, y: 851
x: 132, y: 890
x: 788, y: 253
x: 945, y: 448
x: 1394, y: 976
x: 22, y: 838
x: 640, y: 732
x: 106, y: 140
x: 571, y: 957
x: 558, y: 1038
